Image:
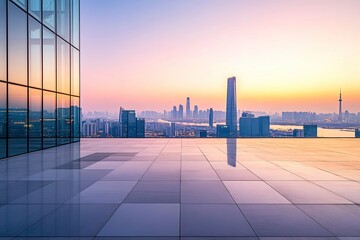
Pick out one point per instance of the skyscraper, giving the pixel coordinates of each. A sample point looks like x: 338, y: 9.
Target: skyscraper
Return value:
x: 174, y: 113
x: 340, y: 109
x: 39, y: 75
x: 196, y: 112
x: 211, y: 118
x: 181, y: 112
x: 188, y: 111
x: 128, y: 122
x: 231, y: 109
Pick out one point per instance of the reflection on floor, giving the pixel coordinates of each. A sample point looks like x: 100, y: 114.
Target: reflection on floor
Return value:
x: 184, y: 188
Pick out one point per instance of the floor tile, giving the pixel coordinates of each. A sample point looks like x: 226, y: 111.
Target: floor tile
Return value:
x: 281, y: 220
x: 253, y: 192
x: 204, y: 192
x: 213, y: 220
x: 143, y: 220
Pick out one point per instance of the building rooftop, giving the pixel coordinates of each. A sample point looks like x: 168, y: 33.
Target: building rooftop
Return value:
x: 248, y: 188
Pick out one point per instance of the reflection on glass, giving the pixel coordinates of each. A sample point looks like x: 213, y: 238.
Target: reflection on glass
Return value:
x: 2, y: 120
x: 35, y: 76
x: 75, y: 23
x: 63, y: 66
x: 231, y: 151
x: 35, y: 8
x: 75, y: 72
x: 49, y: 64
x: 49, y: 13
x: 17, y: 120
x: 63, y: 119
x: 75, y: 119
x: 20, y: 3
x: 17, y: 45
x: 35, y: 116
x: 63, y: 19
x: 2, y: 39
x: 49, y: 119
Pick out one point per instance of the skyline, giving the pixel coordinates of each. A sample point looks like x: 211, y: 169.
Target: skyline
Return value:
x: 163, y: 51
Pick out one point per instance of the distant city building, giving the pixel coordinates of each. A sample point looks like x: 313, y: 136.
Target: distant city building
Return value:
x: 310, y: 131
x: 357, y: 133
x: 181, y: 112
x: 211, y: 118
x: 222, y: 131
x: 298, y: 116
x: 231, y: 108
x: 203, y: 133
x: 140, y: 127
x: 128, y: 122
x: 188, y: 109
x: 298, y: 133
x: 172, y: 130
x: 174, y: 113
x: 340, y: 109
x: 196, y: 112
x: 254, y: 127
x: 89, y: 129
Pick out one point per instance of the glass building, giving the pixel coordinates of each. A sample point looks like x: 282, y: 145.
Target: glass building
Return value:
x: 39, y: 74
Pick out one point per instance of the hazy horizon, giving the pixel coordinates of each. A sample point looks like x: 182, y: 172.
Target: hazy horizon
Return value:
x: 286, y: 55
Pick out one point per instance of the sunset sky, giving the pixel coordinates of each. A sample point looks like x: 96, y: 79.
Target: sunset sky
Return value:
x: 286, y: 55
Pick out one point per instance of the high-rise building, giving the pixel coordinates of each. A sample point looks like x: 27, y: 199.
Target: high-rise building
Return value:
x: 174, y: 113
x: 340, y: 109
x: 211, y: 118
x: 128, y: 122
x: 231, y: 108
x: 172, y: 130
x: 140, y: 127
x: 39, y: 75
x: 251, y: 126
x: 310, y: 131
x: 196, y: 112
x: 188, y: 109
x: 181, y: 112
x: 264, y: 126
x: 120, y: 114
x: 222, y: 131
x: 357, y: 133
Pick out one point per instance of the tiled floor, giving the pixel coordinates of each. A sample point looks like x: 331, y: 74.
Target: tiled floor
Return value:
x: 265, y: 189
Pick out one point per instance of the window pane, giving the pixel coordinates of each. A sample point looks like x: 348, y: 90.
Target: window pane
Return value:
x: 75, y: 23
x: 75, y: 72
x: 63, y: 119
x: 49, y: 66
x: 63, y: 19
x: 17, y: 45
x: 35, y: 8
x: 35, y: 76
x: 63, y: 67
x: 2, y: 120
x: 75, y: 119
x: 49, y: 13
x: 35, y: 116
x: 17, y: 120
x: 49, y: 119
x: 20, y: 3
x: 3, y: 39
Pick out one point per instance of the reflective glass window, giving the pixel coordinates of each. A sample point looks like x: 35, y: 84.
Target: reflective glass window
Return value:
x: 49, y: 58
x: 35, y: 8
x: 75, y: 72
x: 17, y: 58
x: 63, y: 66
x: 35, y: 116
x: 3, y: 39
x: 35, y: 67
x: 21, y: 3
x: 75, y: 23
x: 75, y: 118
x: 49, y: 13
x: 17, y: 119
x: 49, y: 119
x: 2, y: 120
x: 63, y: 19
x: 63, y: 118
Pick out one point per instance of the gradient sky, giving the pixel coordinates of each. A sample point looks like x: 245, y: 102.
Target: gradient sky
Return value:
x: 286, y: 55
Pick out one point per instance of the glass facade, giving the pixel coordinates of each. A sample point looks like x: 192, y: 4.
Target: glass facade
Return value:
x: 40, y: 77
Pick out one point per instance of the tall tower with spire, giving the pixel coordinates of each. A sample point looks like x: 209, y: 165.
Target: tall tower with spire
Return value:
x: 340, y: 109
